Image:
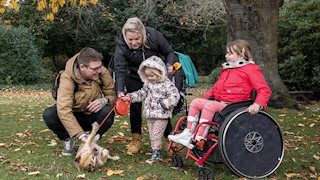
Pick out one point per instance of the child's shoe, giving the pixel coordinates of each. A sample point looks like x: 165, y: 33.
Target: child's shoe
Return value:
x: 156, y: 154
x: 186, y: 142
x: 183, y: 135
x: 201, y: 134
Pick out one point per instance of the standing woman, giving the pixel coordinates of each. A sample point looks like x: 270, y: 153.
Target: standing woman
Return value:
x: 136, y: 44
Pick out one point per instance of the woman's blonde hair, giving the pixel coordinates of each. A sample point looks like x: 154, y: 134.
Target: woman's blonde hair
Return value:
x: 134, y: 25
x: 242, y: 47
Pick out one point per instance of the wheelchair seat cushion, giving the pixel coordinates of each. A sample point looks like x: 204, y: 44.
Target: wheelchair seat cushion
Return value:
x: 220, y: 116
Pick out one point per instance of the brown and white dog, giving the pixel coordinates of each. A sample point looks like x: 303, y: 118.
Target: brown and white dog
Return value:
x: 90, y: 155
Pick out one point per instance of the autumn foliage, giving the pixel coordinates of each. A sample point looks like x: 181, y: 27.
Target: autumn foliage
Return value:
x: 48, y: 7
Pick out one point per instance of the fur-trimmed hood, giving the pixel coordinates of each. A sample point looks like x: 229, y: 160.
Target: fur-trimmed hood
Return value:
x: 152, y: 62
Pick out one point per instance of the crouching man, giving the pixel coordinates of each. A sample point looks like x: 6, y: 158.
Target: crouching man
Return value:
x: 86, y: 95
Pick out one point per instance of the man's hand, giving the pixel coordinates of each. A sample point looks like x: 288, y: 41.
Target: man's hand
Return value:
x: 83, y: 137
x: 96, y: 105
x: 254, y: 108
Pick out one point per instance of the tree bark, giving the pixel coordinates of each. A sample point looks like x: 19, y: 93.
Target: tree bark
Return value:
x: 257, y: 22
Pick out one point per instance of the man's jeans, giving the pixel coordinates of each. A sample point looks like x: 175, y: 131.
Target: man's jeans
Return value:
x: 53, y: 122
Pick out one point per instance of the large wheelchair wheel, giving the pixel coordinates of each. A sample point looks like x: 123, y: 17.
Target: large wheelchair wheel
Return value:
x: 251, y: 145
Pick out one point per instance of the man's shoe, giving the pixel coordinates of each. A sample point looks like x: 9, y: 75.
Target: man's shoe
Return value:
x: 68, y: 147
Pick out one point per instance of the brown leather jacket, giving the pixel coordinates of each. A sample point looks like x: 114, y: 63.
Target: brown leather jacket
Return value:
x: 69, y: 101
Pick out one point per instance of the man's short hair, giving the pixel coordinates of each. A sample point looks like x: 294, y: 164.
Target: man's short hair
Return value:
x: 87, y: 55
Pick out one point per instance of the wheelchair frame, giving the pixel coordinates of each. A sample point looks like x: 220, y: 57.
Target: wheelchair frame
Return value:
x: 237, y: 109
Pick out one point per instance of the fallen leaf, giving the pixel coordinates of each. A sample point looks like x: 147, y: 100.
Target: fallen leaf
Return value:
x: 119, y: 139
x: 34, y: 173
x: 16, y: 150
x: 52, y: 143
x: 110, y: 140
x: 120, y: 134
x: 289, y: 175
x: 316, y: 157
x: 112, y: 172
x: 81, y: 176
x: 45, y: 130
x: 147, y: 176
x: 312, y: 124
x: 312, y: 168
x: 118, y: 171
x: 20, y: 134
x: 109, y: 173
x: 301, y: 125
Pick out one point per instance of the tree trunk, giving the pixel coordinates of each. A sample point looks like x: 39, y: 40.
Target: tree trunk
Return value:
x: 257, y: 22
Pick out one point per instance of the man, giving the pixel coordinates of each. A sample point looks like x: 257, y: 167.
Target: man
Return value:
x: 85, y: 95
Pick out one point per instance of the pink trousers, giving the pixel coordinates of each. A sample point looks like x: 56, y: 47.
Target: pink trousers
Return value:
x: 156, y: 129
x: 207, y: 108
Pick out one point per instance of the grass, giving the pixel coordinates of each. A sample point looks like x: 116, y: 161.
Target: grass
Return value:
x: 28, y: 150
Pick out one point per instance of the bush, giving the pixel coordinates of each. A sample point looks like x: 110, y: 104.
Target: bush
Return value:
x: 214, y: 75
x: 20, y: 60
x: 299, y: 43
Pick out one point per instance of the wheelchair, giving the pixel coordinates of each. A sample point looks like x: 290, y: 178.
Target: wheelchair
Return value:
x: 251, y: 146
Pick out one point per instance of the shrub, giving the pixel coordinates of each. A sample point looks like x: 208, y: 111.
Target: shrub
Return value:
x: 20, y: 61
x: 214, y: 75
x: 299, y: 43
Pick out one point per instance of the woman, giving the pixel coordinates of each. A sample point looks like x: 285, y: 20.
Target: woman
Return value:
x: 136, y: 44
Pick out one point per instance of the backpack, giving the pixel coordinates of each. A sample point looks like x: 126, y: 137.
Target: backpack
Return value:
x: 179, y: 80
x: 189, y: 70
x: 54, y: 90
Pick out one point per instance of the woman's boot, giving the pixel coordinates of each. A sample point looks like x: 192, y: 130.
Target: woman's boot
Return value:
x: 135, y: 145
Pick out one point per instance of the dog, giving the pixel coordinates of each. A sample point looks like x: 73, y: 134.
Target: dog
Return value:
x: 90, y: 155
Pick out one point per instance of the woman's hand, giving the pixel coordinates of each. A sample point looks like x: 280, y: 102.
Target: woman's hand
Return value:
x: 170, y: 70
x: 254, y: 108
x: 120, y: 95
x: 125, y: 98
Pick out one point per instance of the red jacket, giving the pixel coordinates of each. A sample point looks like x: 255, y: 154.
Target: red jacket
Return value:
x: 236, y: 84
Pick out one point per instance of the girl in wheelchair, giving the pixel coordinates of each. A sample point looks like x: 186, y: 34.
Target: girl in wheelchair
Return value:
x: 239, y: 77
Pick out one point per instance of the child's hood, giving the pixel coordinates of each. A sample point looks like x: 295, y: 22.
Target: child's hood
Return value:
x: 152, y: 62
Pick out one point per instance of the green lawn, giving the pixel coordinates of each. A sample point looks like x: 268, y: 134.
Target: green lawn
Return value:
x: 28, y: 150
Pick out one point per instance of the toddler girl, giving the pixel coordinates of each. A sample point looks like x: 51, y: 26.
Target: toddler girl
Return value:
x: 160, y: 96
